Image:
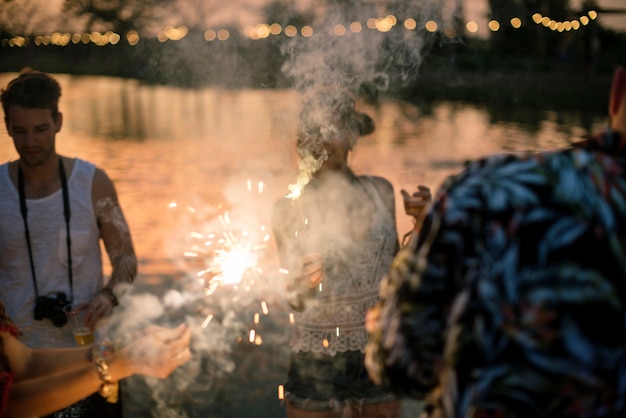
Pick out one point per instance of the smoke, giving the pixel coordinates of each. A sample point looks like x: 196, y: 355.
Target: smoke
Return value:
x: 361, y: 61
x: 233, y: 315
x: 366, y: 59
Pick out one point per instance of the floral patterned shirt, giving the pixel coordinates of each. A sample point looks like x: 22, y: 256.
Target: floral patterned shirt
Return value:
x: 512, y: 303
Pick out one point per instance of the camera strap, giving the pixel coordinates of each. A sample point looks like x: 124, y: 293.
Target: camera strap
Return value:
x: 66, y: 214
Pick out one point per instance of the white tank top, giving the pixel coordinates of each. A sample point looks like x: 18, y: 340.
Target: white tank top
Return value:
x: 48, y: 243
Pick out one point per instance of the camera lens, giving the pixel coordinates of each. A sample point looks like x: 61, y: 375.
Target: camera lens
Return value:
x: 58, y: 319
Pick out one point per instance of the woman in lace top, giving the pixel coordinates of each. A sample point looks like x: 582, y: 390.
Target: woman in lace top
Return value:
x: 336, y: 234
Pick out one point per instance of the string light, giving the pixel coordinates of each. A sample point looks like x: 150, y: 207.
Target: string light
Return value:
x: 263, y: 30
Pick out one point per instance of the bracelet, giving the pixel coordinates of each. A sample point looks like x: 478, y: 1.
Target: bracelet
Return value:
x: 99, y: 352
x: 110, y: 295
x: 107, y: 387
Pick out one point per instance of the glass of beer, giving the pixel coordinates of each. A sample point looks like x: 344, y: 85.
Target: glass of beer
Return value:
x: 409, y: 182
x: 83, y: 335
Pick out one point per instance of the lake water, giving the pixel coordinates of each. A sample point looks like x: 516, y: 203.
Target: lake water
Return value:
x: 213, y: 149
x: 199, y: 147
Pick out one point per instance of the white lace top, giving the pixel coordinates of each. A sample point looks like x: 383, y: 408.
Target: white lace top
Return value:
x: 356, y: 257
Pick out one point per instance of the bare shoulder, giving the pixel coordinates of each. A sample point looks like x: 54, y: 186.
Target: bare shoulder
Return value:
x: 383, y: 185
x: 102, y: 186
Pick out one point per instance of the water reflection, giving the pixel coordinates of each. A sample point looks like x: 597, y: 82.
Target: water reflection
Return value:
x: 161, y: 144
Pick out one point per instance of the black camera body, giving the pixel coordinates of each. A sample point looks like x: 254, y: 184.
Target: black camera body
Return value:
x: 52, y: 309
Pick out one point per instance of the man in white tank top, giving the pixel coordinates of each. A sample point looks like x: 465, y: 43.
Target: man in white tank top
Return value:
x: 45, y: 198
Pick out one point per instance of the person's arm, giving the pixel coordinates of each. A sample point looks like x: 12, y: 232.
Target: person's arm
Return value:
x: 305, y: 271
x: 49, y: 380
x: 116, y: 236
x: 29, y: 363
x: 386, y: 192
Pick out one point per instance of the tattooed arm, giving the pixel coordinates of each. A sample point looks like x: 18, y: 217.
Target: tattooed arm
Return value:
x: 116, y: 237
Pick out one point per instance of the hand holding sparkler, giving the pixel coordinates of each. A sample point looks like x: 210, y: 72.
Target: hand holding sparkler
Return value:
x: 156, y: 352
x: 312, y: 275
x: 312, y: 270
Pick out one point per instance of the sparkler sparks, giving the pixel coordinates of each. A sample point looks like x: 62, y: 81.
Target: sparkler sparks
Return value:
x: 225, y: 253
x: 228, y: 253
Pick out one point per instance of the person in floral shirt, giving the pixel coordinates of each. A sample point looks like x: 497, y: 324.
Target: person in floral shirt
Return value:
x: 512, y: 303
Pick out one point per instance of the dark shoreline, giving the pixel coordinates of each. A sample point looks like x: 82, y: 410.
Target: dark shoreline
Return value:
x: 472, y: 74
x: 548, y: 90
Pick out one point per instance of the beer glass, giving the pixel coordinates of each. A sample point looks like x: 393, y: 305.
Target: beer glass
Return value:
x: 83, y: 335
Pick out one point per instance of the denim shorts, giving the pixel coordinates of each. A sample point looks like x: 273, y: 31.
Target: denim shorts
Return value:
x: 320, y: 382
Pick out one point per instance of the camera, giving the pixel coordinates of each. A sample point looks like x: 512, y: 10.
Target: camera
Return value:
x: 53, y: 309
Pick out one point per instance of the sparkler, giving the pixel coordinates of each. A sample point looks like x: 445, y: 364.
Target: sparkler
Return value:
x: 226, y: 254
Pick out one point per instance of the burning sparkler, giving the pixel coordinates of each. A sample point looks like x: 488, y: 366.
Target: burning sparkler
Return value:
x: 228, y: 253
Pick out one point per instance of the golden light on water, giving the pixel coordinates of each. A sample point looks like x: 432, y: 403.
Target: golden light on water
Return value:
x: 264, y: 308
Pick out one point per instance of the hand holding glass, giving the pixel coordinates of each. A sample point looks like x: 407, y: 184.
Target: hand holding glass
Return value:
x: 77, y: 320
x: 416, y: 202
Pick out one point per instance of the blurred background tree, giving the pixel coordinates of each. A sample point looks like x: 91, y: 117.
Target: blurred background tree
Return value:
x: 120, y: 16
